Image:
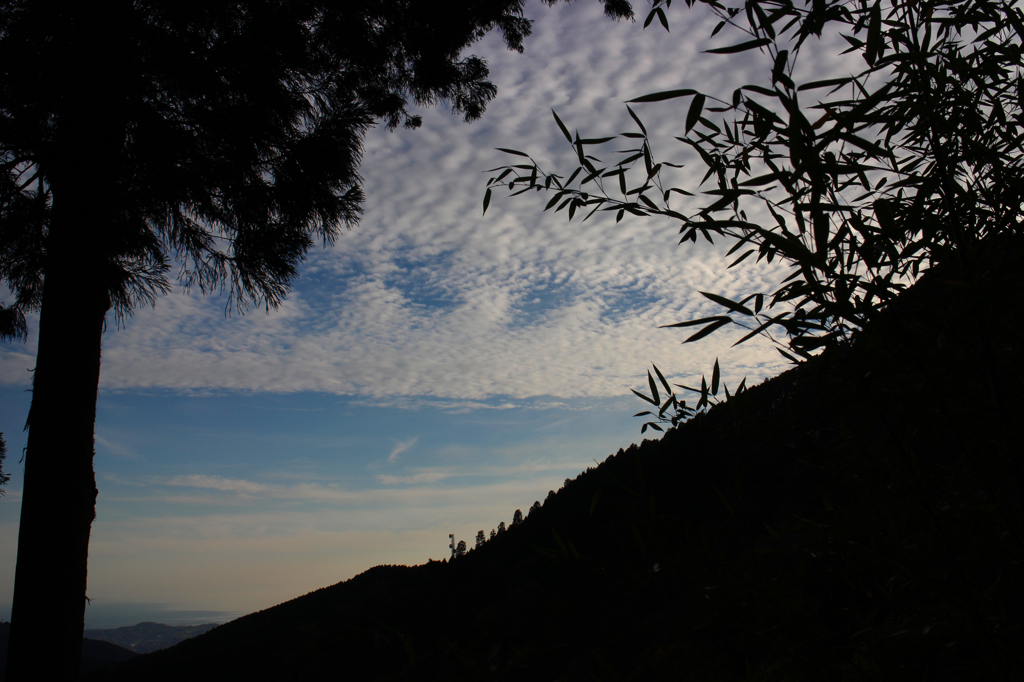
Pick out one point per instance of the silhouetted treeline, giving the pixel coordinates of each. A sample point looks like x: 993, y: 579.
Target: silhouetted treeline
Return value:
x: 854, y: 518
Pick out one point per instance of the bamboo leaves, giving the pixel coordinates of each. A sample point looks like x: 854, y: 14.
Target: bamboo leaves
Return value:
x: 693, y: 115
x: 741, y: 47
x: 673, y: 411
x: 859, y: 181
x: 662, y: 96
x: 561, y: 126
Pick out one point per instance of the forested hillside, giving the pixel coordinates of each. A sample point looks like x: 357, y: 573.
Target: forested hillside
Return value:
x: 854, y: 518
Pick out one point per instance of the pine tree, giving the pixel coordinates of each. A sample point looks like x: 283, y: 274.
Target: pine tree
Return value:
x: 224, y: 134
x: 4, y: 478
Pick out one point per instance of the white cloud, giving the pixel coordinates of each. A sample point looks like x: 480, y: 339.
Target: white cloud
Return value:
x: 400, y: 448
x: 414, y: 479
x: 216, y: 483
x: 428, y: 303
x: 116, y: 448
x: 428, y: 299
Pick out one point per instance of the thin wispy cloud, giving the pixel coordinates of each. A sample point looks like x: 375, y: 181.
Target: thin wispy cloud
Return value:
x: 216, y: 483
x: 414, y: 479
x: 400, y: 448
x: 435, y: 491
x: 116, y: 448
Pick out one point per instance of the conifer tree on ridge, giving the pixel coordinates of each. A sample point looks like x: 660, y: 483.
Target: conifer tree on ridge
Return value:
x: 223, y: 135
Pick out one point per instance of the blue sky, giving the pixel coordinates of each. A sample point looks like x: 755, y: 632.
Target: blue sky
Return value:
x: 431, y: 373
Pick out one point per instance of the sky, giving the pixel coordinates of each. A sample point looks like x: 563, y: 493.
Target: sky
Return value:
x: 432, y: 372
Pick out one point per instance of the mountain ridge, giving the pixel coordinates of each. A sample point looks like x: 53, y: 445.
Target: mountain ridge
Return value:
x: 855, y: 517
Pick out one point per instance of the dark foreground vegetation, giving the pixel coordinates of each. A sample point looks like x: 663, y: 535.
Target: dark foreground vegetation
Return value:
x: 96, y: 653
x: 854, y: 518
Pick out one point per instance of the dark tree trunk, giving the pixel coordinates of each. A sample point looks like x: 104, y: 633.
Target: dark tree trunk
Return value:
x: 59, y: 501
x: 84, y: 167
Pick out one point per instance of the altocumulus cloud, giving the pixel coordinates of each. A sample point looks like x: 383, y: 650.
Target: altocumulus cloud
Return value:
x: 427, y: 299
x: 426, y: 303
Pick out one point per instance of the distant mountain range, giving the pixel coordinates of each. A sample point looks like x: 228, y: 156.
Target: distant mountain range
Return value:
x: 105, y: 647
x: 146, y: 637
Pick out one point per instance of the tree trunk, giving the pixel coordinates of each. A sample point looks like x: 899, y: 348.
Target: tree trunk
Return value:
x: 84, y: 166
x: 59, y: 500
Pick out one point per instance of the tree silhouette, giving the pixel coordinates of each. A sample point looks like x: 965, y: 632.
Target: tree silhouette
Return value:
x: 861, y: 183
x: 494, y: 534
x: 904, y: 170
x: 517, y: 518
x: 501, y: 527
x: 460, y: 549
x: 480, y: 539
x: 4, y: 478
x: 222, y: 134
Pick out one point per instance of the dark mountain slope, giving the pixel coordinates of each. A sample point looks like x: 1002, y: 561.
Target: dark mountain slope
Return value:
x: 854, y: 518
x: 96, y: 654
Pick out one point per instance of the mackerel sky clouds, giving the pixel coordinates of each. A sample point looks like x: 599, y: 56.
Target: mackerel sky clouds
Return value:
x: 432, y: 372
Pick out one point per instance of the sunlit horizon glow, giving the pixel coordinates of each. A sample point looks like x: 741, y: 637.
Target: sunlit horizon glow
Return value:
x: 430, y: 373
